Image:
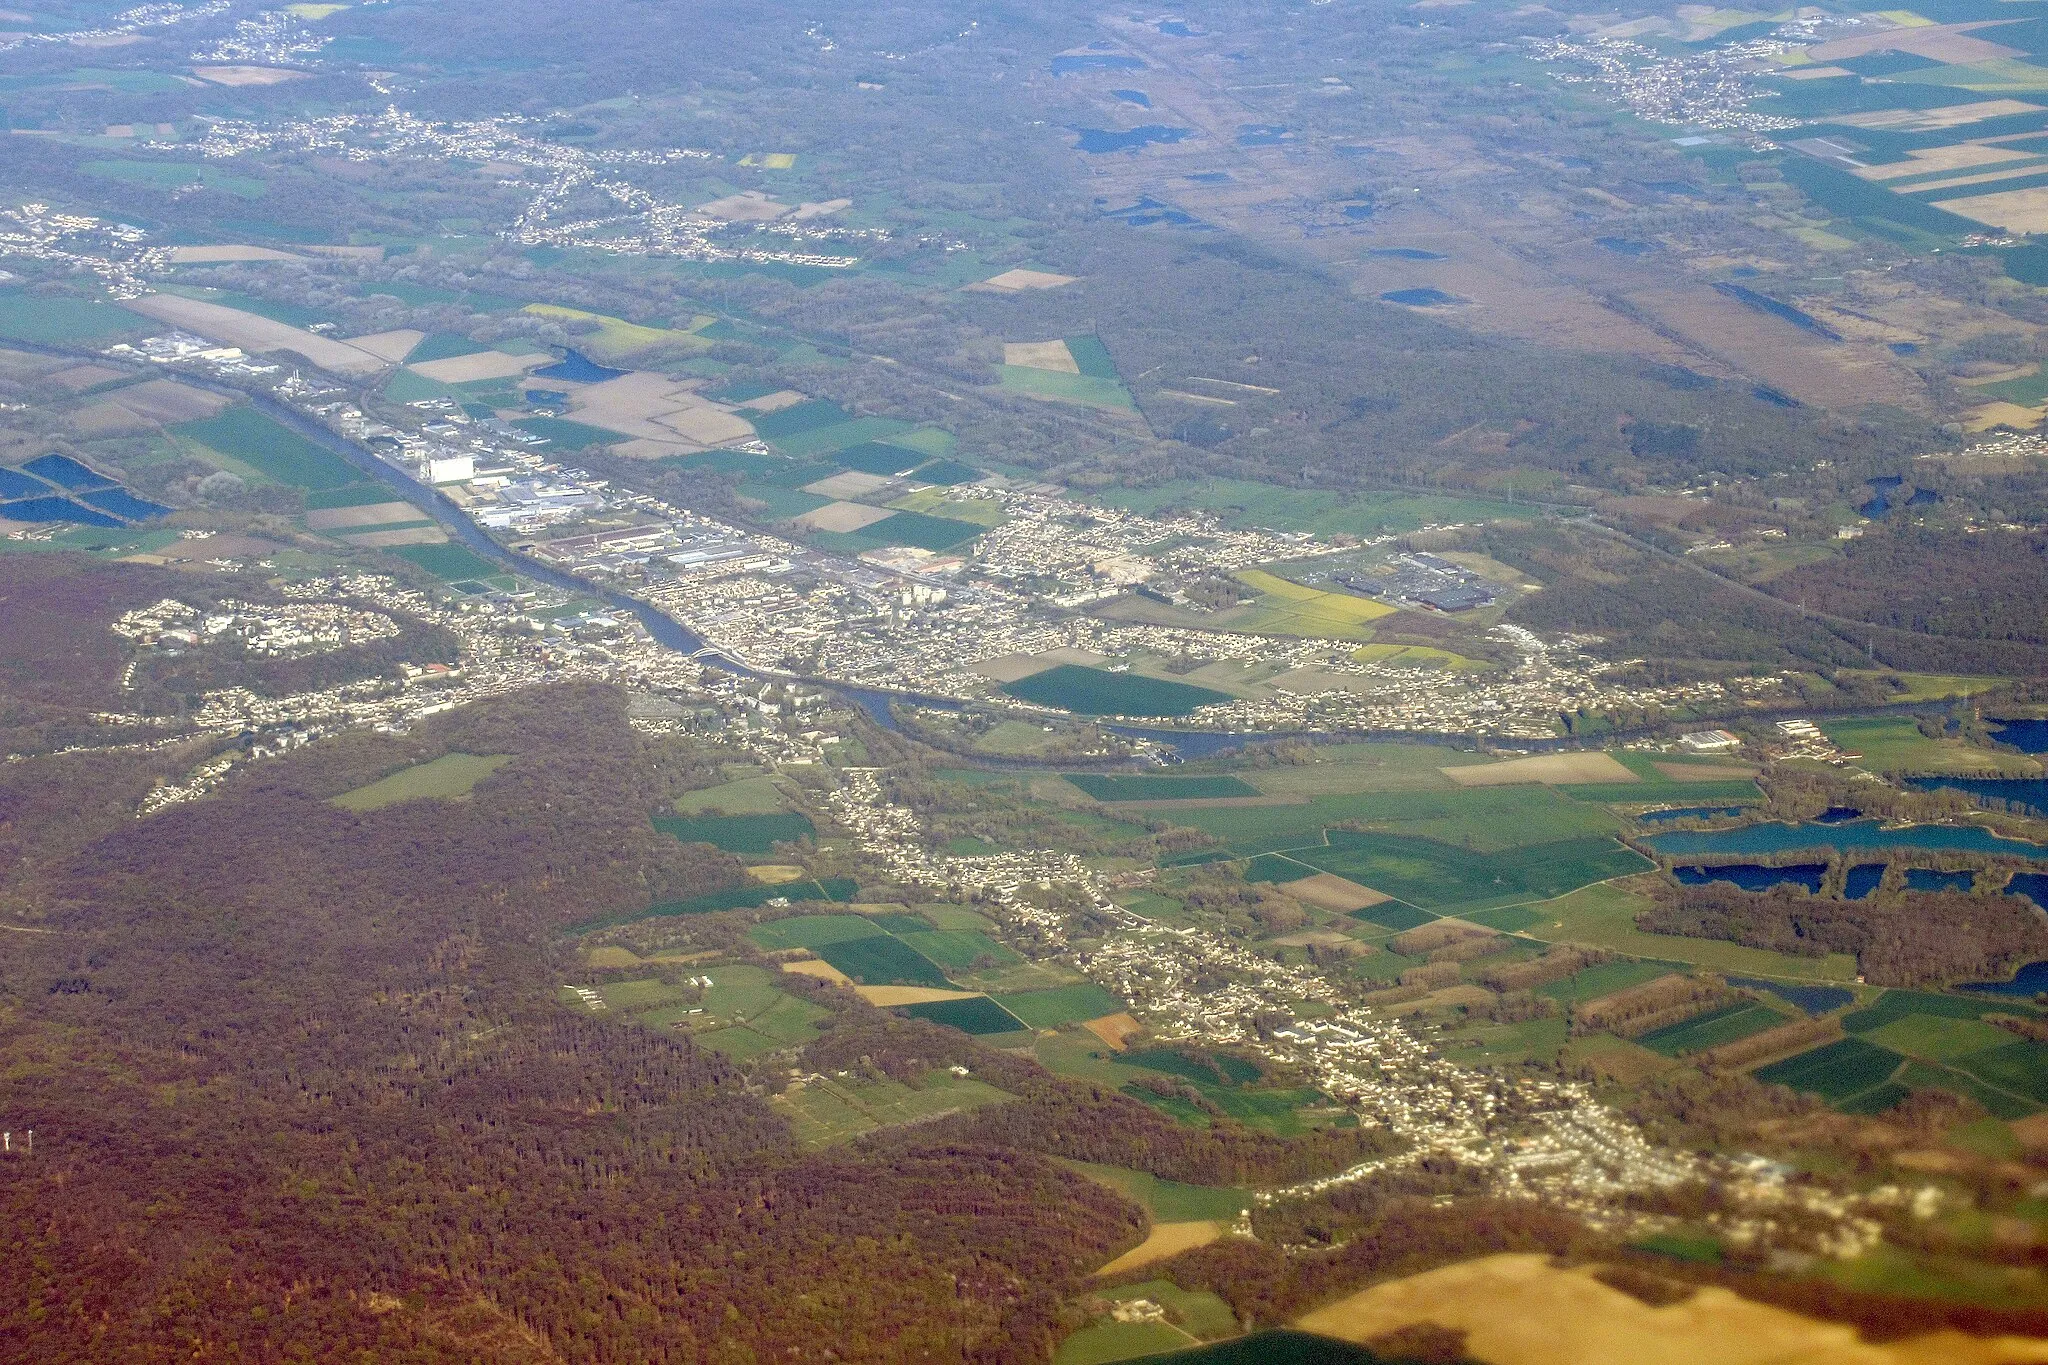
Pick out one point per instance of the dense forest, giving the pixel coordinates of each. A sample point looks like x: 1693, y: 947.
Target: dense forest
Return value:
x: 1899, y: 937
x: 300, y: 1088
x: 1986, y: 586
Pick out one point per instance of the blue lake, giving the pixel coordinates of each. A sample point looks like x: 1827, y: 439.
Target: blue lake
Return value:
x: 1094, y: 61
x: 1778, y: 838
x: 2031, y: 792
x: 1927, y: 879
x: 1752, y: 877
x: 1905, y: 348
x: 2032, y: 885
x: 1625, y: 246
x: 54, y: 509
x: 1419, y: 298
x: 2028, y: 982
x: 1923, y: 497
x: 1137, y: 97
x: 1096, y: 141
x: 579, y: 368
x: 1838, y: 815
x: 122, y: 503
x: 1812, y: 999
x: 1359, y: 213
x: 1405, y: 253
x: 1177, y: 28
x: 1877, y: 509
x: 2028, y: 736
x: 62, y: 469
x: 1863, y: 879
x: 16, y: 485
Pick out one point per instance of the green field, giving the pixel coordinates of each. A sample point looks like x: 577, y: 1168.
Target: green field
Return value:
x: 2017, y: 1067
x: 1935, y: 1038
x: 54, y: 320
x: 914, y: 529
x: 1091, y: 357
x: 445, y: 778
x: 1835, y: 1071
x: 1202, y: 1314
x: 740, y: 1013
x: 827, y: 440
x: 451, y: 563
x: 1894, y: 744
x: 1167, y: 1201
x: 1393, y: 916
x: 876, y: 457
x: 813, y: 931
x: 746, y: 796
x: 1112, y: 1341
x: 1082, y: 389
x: 1439, y: 876
x: 957, y: 950
x: 1063, y: 1005
x: 828, y: 1111
x: 1895, y: 1005
x: 1157, y: 787
x: 979, y: 1015
x: 789, y: 1022
x: 1095, y: 692
x: 947, y: 473
x: 738, y: 833
x: 172, y: 175
x: 252, y: 439
x: 882, y: 960
x: 564, y: 434
x: 1728, y: 1024
x: 1604, y: 979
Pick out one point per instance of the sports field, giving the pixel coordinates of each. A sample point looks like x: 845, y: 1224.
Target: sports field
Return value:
x: 445, y: 778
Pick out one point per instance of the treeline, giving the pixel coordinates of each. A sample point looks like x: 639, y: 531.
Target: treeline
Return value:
x: 1905, y: 938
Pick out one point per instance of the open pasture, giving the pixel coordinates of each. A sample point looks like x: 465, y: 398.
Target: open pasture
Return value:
x: 255, y: 442
x: 1061, y: 1005
x: 756, y: 834
x: 825, y: 1111
x: 1479, y: 819
x: 744, y: 796
x: 1166, y: 1201
x: 1894, y: 744
x: 1439, y: 876
x: 829, y: 440
x: 1604, y: 916
x: 1159, y: 787
x: 59, y: 321
x: 447, y: 778
x: 1549, y: 769
x: 450, y: 563
x: 1081, y: 389
x: 812, y: 931
x: 959, y: 950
